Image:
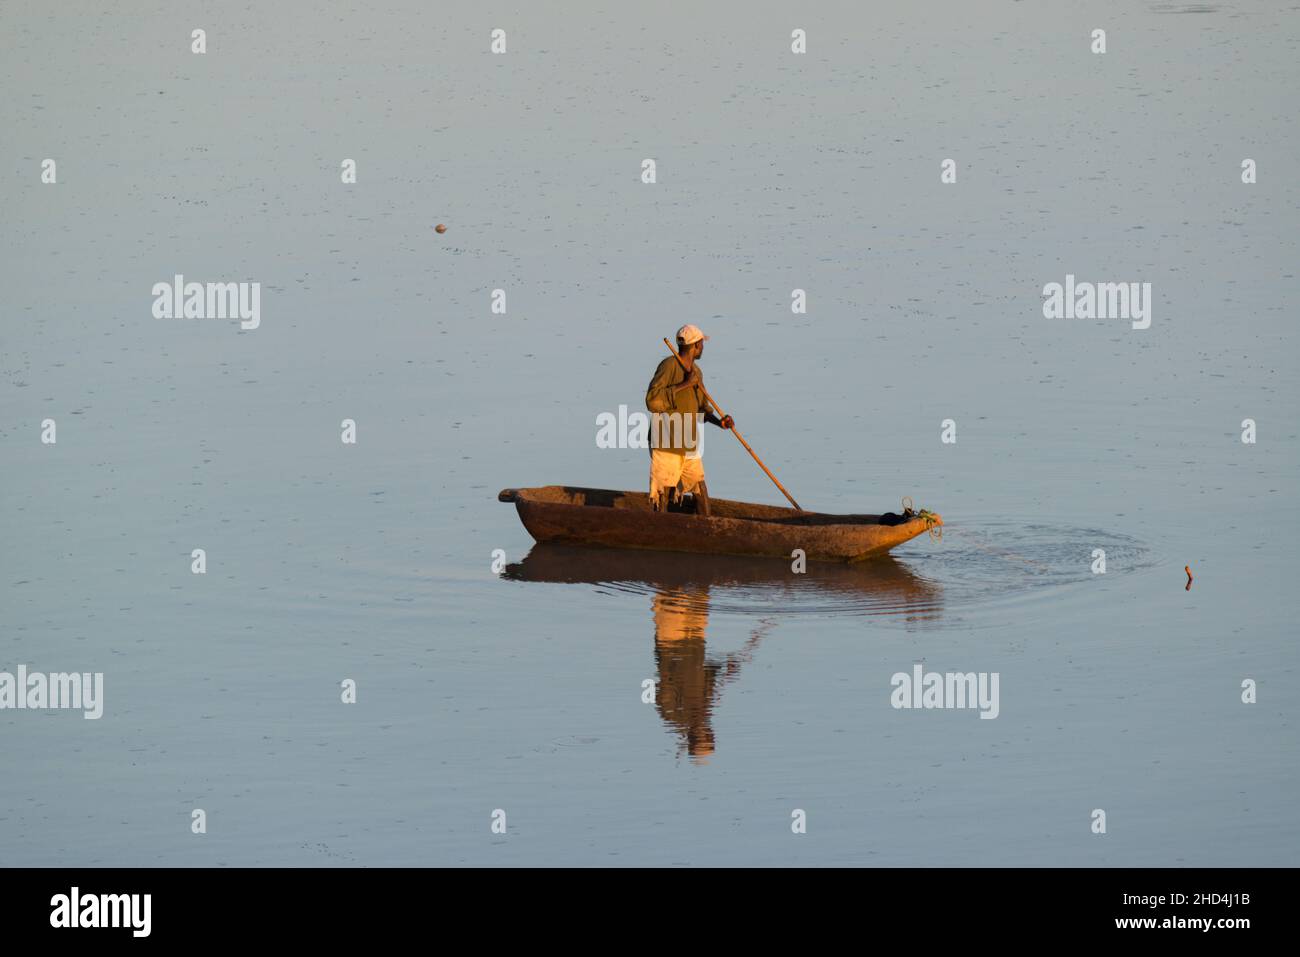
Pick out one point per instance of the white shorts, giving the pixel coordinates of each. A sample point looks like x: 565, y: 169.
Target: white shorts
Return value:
x: 669, y: 470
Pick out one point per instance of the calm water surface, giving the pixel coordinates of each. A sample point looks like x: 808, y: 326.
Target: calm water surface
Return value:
x: 523, y: 690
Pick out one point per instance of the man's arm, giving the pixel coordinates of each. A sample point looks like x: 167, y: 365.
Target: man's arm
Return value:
x: 724, y: 422
x: 710, y: 413
x: 659, y: 394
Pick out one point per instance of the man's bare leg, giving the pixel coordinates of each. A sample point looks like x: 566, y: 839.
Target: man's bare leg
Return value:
x: 702, y: 500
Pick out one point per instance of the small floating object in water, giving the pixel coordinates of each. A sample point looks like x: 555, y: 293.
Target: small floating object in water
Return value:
x: 1188, y: 569
x: 440, y: 228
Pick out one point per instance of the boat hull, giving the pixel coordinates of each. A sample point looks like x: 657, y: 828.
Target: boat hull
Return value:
x: 572, y: 515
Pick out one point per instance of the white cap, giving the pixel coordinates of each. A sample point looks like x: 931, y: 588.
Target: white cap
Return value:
x: 690, y: 334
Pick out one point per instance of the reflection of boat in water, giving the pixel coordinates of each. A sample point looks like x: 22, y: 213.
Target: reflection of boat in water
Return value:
x: 881, y: 586
x: 684, y: 588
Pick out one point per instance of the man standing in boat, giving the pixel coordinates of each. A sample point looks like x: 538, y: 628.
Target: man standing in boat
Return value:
x: 676, y: 400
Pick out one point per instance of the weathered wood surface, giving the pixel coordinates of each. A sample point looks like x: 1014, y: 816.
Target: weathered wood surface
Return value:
x: 573, y: 515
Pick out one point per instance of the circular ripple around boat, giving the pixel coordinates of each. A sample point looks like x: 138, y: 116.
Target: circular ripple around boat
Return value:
x: 926, y: 582
x: 997, y: 560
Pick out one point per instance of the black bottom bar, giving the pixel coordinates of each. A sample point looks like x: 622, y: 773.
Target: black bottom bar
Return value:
x: 334, y: 906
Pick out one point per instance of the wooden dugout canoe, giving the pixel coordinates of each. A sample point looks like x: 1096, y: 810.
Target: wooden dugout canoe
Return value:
x: 570, y: 515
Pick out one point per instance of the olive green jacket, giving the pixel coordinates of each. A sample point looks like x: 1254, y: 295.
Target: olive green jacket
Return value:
x: 675, y: 426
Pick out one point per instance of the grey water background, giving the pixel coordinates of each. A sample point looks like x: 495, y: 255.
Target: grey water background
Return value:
x: 373, y: 562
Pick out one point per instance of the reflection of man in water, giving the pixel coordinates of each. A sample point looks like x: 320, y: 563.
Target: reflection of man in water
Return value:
x: 689, y: 683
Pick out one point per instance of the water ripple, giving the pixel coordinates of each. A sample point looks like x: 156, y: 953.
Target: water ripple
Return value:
x: 972, y: 565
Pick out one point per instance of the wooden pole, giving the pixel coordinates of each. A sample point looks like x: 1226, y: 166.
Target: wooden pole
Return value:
x: 722, y: 414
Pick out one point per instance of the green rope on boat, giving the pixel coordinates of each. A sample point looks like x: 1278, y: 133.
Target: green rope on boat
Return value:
x: 927, y: 516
